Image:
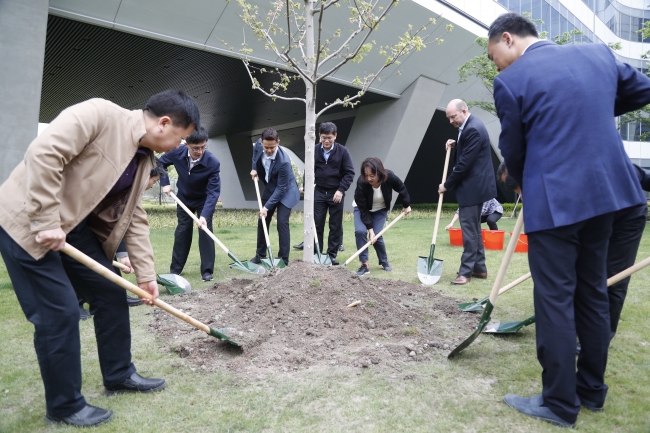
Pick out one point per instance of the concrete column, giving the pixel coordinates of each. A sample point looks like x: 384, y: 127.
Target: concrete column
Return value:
x: 23, y: 25
x: 393, y: 130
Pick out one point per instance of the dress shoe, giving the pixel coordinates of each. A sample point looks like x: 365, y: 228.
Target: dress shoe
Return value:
x: 590, y: 405
x: 300, y: 246
x: 532, y: 407
x: 207, y: 276
x: 133, y: 302
x: 341, y: 248
x: 460, y: 280
x: 136, y: 383
x: 334, y: 261
x: 481, y: 275
x: 89, y: 416
x: 257, y: 260
x: 83, y: 313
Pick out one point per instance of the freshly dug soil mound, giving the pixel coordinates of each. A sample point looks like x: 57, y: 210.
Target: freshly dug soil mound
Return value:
x: 299, y: 317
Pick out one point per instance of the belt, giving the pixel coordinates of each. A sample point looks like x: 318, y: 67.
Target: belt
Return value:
x: 325, y: 191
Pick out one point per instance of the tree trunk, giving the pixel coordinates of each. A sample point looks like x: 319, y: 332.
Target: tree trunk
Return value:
x: 310, y: 135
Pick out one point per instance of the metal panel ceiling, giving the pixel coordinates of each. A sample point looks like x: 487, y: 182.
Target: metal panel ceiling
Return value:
x: 84, y: 61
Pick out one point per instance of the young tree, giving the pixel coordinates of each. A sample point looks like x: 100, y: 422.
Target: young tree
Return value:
x: 293, y: 31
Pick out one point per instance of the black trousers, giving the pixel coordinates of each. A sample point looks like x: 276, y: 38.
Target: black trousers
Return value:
x: 183, y: 242
x: 491, y: 220
x: 284, y: 234
x: 570, y: 295
x: 621, y: 253
x: 46, y: 289
x: 323, y: 202
x: 473, y: 258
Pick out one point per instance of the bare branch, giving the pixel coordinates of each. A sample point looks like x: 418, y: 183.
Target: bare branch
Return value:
x: 318, y: 47
x: 286, y: 52
x: 325, y: 6
x: 270, y: 95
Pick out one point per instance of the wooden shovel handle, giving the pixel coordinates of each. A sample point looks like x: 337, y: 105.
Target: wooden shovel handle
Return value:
x: 121, y: 266
x: 514, y: 283
x: 259, y: 202
x: 205, y: 229
x: 439, y: 209
x: 126, y: 284
x: 507, y: 257
x: 376, y: 236
x: 629, y: 271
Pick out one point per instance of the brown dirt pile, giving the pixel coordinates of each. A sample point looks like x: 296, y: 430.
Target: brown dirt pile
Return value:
x: 297, y: 318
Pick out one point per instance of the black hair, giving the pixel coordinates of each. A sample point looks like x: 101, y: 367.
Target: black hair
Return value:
x: 327, y: 128
x: 270, y: 134
x: 510, y: 183
x: 200, y: 135
x: 157, y: 169
x: 376, y: 167
x: 512, y: 23
x: 178, y: 105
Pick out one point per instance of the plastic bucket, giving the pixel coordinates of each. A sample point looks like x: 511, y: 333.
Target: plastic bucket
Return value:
x: 456, y: 237
x: 493, y: 239
x: 522, y: 243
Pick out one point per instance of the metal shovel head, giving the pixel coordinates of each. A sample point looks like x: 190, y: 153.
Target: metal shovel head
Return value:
x: 247, y: 266
x: 485, y: 318
x: 322, y: 259
x: 273, y: 263
x: 429, y: 275
x: 508, y: 327
x: 175, y: 284
x: 223, y: 334
x: 473, y: 306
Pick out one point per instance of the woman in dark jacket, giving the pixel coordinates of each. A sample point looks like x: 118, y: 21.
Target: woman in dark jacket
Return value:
x: 372, y: 200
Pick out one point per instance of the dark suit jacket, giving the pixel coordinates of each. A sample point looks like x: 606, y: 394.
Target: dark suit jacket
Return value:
x: 364, y: 191
x: 197, y: 188
x: 557, y: 105
x: 473, y: 173
x: 282, y: 187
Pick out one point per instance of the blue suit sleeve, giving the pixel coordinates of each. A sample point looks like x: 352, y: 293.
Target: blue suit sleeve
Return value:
x: 466, y: 160
x: 633, y: 91
x: 282, y: 187
x: 257, y: 151
x: 348, y: 171
x: 512, y: 141
x: 166, y: 160
x: 213, y: 190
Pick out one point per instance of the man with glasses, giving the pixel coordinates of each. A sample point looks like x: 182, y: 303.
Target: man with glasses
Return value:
x: 199, y: 186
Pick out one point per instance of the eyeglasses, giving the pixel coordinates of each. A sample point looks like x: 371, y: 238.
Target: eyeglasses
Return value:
x: 326, y: 138
x: 197, y: 148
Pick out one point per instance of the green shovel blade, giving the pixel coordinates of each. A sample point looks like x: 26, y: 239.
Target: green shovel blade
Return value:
x: 429, y: 268
x: 245, y: 266
x: 473, y: 306
x: 322, y: 259
x: 222, y: 334
x: 485, y: 318
x: 271, y: 262
x: 508, y: 327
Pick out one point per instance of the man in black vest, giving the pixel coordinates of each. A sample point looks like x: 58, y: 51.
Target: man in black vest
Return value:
x: 474, y: 183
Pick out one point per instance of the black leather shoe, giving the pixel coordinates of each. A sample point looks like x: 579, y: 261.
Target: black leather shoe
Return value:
x: 300, y: 246
x: 137, y: 383
x: 256, y: 260
x: 89, y: 416
x: 334, y: 261
x: 207, y: 276
x: 133, y: 302
x: 84, y: 314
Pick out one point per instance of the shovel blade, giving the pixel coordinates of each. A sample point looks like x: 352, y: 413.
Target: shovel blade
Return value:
x: 473, y: 306
x: 485, y: 318
x: 175, y: 284
x: 247, y: 266
x: 223, y: 334
x: 429, y: 275
x: 273, y: 263
x: 507, y: 327
x: 322, y: 259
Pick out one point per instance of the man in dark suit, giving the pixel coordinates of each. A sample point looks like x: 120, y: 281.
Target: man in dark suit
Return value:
x: 199, y: 186
x: 557, y: 105
x: 474, y: 182
x: 281, y: 191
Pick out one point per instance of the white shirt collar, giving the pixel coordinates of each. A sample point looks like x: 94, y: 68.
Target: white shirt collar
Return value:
x: 525, y: 49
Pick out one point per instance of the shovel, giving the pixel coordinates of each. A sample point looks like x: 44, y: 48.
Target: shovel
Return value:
x: 268, y: 262
x: 485, y: 318
x: 478, y: 305
x: 319, y: 259
x: 126, y: 284
x: 175, y: 284
x: 242, y: 266
x: 430, y: 269
x: 355, y: 255
x: 512, y: 327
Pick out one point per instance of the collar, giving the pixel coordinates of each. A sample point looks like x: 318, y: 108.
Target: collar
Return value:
x: 272, y: 157
x: 530, y: 45
x: 189, y: 155
x: 465, y: 122
x: 139, y: 129
x: 331, y: 148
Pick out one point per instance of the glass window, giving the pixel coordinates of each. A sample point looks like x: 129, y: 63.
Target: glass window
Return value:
x: 625, y: 27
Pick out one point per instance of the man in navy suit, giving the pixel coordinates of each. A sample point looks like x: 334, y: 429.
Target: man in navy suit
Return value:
x: 559, y: 140
x: 474, y: 182
x: 199, y: 186
x: 281, y: 191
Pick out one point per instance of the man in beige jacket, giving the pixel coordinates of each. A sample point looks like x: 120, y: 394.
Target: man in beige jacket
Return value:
x: 81, y: 182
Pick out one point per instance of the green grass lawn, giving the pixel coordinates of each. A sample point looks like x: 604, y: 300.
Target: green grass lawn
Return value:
x: 463, y: 395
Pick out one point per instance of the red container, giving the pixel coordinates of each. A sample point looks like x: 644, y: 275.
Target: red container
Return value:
x: 522, y: 243
x: 456, y: 237
x: 493, y: 239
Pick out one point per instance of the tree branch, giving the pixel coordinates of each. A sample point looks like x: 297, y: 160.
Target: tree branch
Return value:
x: 318, y: 47
x: 270, y: 95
